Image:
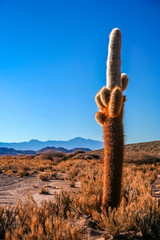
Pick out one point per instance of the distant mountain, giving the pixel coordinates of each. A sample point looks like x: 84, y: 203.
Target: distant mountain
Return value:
x: 70, y: 144
x: 13, y: 152
x: 147, y: 148
x: 59, y: 149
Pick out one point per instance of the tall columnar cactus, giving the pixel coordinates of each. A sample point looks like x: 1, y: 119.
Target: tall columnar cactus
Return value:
x: 110, y: 101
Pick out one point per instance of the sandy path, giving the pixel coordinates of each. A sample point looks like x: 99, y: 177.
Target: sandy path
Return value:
x: 13, y: 188
x: 156, y: 188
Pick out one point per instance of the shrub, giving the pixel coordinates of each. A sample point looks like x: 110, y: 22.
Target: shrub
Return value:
x: 43, y: 177
x: 44, y: 190
x: 49, y: 155
x: 23, y: 173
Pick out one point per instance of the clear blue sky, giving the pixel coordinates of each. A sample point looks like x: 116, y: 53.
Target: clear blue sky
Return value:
x: 53, y: 61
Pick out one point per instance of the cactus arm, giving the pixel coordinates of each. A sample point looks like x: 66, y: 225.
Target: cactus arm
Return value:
x: 105, y: 95
x: 115, y: 105
x: 100, y: 118
x: 98, y: 101
x: 124, y: 79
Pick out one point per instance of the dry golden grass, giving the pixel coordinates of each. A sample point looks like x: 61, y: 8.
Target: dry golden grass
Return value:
x: 71, y: 214
x: 43, y: 190
x: 43, y: 176
x: 48, y: 221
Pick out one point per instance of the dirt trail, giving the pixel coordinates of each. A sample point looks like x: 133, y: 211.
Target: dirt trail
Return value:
x: 13, y: 188
x: 156, y: 188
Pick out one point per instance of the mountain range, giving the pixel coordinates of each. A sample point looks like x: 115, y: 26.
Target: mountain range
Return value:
x: 35, y: 145
x: 13, y: 152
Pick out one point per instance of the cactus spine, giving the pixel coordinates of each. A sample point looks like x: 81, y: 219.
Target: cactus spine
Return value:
x: 110, y: 101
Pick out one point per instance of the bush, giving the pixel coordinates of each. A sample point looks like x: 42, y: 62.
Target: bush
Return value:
x: 55, y: 157
x: 44, y: 190
x: 43, y: 176
x: 49, y: 155
x: 23, y: 173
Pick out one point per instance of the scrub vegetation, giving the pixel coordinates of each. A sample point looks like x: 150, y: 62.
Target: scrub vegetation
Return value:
x: 78, y: 214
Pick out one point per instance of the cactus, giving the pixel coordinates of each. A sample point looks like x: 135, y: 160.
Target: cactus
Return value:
x: 110, y: 101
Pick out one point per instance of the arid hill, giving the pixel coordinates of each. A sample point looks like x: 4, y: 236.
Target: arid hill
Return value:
x: 148, y: 147
x: 146, y: 152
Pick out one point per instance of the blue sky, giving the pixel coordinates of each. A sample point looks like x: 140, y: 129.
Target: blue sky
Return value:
x: 53, y: 61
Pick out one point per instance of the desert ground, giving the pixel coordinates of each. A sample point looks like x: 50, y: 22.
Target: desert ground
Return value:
x: 14, y: 187
x: 58, y: 196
